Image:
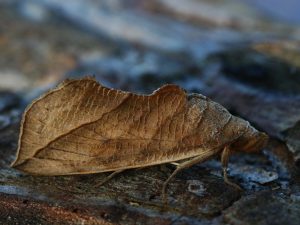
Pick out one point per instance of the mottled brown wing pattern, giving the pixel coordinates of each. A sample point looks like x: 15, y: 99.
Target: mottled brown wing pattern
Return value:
x: 83, y: 127
x: 58, y: 112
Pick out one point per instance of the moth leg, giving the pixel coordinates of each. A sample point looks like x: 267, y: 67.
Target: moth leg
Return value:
x: 224, y: 160
x: 109, y: 177
x: 180, y: 167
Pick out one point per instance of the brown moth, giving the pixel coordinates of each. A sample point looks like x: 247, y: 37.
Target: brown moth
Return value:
x: 82, y: 127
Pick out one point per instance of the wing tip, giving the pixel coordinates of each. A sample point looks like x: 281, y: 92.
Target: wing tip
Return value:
x: 16, y: 162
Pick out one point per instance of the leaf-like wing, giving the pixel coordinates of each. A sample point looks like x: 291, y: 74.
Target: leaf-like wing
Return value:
x: 83, y: 127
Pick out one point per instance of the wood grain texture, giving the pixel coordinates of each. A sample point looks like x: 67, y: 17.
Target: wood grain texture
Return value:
x: 82, y: 127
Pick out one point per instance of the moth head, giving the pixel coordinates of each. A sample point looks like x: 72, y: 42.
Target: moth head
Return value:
x: 251, y: 141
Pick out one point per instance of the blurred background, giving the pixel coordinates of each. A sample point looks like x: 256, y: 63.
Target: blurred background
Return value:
x: 244, y: 54
x: 139, y: 45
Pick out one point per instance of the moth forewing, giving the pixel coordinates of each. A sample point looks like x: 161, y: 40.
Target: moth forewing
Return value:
x: 82, y: 127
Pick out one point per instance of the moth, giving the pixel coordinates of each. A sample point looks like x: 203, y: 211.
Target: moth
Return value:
x: 82, y: 127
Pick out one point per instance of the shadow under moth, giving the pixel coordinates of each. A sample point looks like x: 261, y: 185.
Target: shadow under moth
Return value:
x: 81, y: 127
